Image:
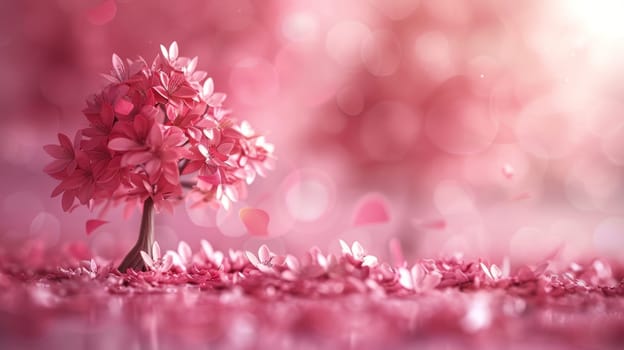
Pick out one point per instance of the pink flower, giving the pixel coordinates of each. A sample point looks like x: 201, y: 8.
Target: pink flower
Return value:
x: 79, y: 184
x: 148, y: 145
x: 183, y: 258
x: 64, y: 153
x: 154, y: 262
x: 357, y: 254
x: 122, y: 73
x: 174, y: 87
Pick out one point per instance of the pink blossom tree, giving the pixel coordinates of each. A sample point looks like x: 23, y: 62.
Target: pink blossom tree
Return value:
x: 153, y: 132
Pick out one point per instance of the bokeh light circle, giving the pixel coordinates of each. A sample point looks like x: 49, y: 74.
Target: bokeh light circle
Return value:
x: 344, y: 42
x: 307, y: 200
x: 609, y: 236
x: 350, y: 100
x: 457, y: 121
x: 613, y: 145
x: 200, y: 215
x: 254, y: 80
x: 46, y: 227
x: 309, y: 195
x: 396, y: 9
x: 548, y: 130
x: 593, y: 183
x: 381, y: 53
x: 388, y: 130
x: 300, y: 27
x: 432, y: 53
x: 523, y: 247
x: 450, y: 197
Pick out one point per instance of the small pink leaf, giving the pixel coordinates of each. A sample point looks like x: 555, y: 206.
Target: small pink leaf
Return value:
x: 256, y: 221
x: 92, y: 225
x: 372, y: 209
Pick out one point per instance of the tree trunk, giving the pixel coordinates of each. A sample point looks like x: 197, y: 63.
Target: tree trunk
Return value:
x: 133, y: 259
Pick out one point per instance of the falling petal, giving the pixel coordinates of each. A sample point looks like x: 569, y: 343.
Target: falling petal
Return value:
x: 433, y: 224
x: 520, y: 197
x: 256, y: 221
x: 372, y: 209
x: 508, y: 171
x: 92, y: 225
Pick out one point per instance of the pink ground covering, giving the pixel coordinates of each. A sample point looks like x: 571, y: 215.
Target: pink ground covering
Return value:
x: 244, y: 300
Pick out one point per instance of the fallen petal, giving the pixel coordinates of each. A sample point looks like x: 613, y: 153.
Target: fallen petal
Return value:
x: 93, y: 224
x: 256, y: 221
x: 372, y: 209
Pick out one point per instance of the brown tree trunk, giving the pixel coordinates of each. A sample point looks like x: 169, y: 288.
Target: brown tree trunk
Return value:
x: 133, y: 259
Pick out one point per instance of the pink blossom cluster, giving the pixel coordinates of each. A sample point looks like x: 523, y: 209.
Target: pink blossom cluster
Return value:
x: 152, y: 131
x: 356, y: 271
x: 217, y: 297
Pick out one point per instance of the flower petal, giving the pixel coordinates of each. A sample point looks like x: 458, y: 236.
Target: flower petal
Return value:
x: 372, y: 209
x: 156, y: 250
x: 256, y: 221
x: 92, y: 225
x: 124, y: 144
x: 264, y: 254
x: 147, y: 260
x: 123, y: 106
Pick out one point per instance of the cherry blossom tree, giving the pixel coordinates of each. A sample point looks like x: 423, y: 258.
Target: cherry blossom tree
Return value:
x: 156, y: 134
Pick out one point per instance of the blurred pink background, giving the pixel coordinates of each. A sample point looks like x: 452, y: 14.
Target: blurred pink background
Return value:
x: 491, y: 128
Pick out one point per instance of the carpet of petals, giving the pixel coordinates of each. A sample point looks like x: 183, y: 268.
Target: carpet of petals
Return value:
x: 251, y: 300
